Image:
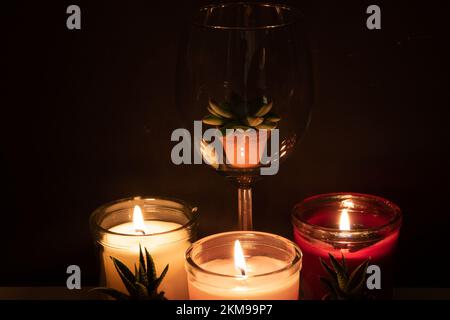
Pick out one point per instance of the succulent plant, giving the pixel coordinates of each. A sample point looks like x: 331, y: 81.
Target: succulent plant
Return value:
x: 142, y: 285
x: 237, y: 113
x: 341, y: 285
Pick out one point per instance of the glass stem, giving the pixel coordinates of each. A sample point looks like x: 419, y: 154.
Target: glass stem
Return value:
x: 245, y: 208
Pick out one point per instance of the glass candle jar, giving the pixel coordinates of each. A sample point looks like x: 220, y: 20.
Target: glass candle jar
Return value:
x: 243, y: 265
x: 165, y: 227
x: 357, y: 226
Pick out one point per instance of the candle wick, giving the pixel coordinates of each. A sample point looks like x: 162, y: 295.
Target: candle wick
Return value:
x: 139, y: 230
x: 242, y: 271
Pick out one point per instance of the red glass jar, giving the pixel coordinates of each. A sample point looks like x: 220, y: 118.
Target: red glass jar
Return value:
x: 357, y: 226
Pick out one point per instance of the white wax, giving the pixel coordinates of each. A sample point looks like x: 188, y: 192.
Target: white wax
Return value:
x: 279, y: 286
x: 255, y: 265
x: 165, y: 249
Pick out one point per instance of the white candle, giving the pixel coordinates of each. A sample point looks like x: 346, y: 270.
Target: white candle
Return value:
x: 244, y: 148
x: 241, y: 276
x: 122, y: 242
x: 248, y: 288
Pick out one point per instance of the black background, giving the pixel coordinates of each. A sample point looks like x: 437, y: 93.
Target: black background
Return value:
x: 87, y: 117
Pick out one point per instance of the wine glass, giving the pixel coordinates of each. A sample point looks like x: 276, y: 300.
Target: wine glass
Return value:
x: 244, y: 69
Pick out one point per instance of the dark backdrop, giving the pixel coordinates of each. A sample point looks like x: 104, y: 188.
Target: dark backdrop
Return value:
x: 87, y: 115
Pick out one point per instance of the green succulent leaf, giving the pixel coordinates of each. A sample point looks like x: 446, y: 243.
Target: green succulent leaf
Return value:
x: 136, y: 274
x: 142, y: 272
x: 340, y: 273
x: 267, y: 125
x: 219, y: 110
x: 344, y: 264
x: 142, y: 275
x: 237, y: 112
x: 213, y: 120
x: 153, y: 286
x: 141, y: 291
x: 125, y: 275
x: 265, y: 108
x: 358, y: 277
x: 151, y: 269
x: 143, y: 285
x: 254, y: 121
x: 211, y: 111
x: 328, y: 269
x: 272, y: 117
x: 233, y: 125
x: 123, y: 270
x: 333, y: 289
x: 340, y: 285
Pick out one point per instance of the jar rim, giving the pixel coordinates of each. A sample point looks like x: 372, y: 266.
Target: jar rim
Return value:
x: 190, y: 212
x: 353, y: 235
x: 296, y: 15
x: 298, y: 255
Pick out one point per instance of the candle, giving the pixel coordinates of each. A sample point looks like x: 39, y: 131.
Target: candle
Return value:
x: 357, y: 226
x: 243, y: 266
x: 244, y: 148
x: 164, y: 227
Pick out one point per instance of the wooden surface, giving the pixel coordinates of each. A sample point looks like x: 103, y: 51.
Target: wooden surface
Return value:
x: 61, y: 293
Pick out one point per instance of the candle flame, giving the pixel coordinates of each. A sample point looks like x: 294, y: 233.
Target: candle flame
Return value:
x: 239, y: 259
x: 344, y: 221
x: 138, y: 220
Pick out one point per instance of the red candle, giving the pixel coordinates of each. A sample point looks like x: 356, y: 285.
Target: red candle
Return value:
x: 357, y: 226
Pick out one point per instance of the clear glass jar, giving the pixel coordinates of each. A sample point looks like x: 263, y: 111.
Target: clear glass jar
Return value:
x: 271, y: 272
x: 357, y: 226
x: 171, y: 227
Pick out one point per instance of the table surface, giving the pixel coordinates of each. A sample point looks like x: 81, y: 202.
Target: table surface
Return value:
x: 62, y: 293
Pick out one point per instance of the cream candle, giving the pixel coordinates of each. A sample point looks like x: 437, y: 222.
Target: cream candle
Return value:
x: 164, y: 227
x: 165, y: 249
x: 264, y: 267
